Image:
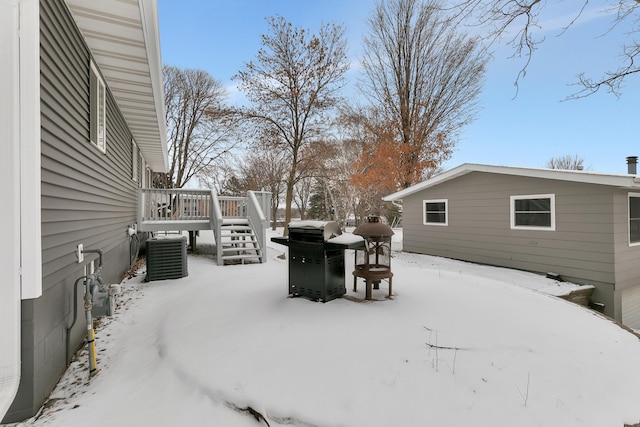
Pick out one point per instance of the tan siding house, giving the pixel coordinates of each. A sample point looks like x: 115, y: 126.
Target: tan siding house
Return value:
x: 576, y: 224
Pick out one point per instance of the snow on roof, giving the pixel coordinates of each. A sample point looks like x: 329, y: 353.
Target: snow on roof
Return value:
x: 587, y: 177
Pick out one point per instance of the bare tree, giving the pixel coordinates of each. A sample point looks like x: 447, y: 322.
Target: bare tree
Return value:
x: 302, y: 192
x: 294, y: 82
x: 425, y: 76
x: 198, y: 123
x: 345, y: 193
x: 521, y: 18
x: 368, y: 157
x: 265, y: 169
x: 222, y: 177
x: 567, y: 162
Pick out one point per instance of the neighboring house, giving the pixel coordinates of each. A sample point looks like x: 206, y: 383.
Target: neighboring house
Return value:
x: 81, y: 128
x: 582, y: 225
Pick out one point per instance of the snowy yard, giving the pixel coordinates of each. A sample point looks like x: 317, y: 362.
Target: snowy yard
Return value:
x: 459, y: 345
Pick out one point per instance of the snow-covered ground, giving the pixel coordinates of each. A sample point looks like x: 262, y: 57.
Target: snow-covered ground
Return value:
x: 458, y: 345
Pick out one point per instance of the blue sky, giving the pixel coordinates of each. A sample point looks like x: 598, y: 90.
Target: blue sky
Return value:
x: 524, y: 130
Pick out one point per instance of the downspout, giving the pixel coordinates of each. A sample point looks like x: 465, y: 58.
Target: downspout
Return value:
x: 10, y: 287
x: 10, y: 333
x: 20, y: 256
x: 10, y: 312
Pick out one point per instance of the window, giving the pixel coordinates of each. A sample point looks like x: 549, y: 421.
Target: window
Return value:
x: 534, y: 212
x: 436, y: 212
x: 134, y: 161
x: 98, y: 111
x: 634, y: 219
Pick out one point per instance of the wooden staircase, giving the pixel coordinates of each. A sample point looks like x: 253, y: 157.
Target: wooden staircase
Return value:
x: 238, y: 242
x: 239, y: 224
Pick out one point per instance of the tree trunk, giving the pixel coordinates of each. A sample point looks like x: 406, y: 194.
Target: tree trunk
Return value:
x: 287, y: 208
x: 274, y: 217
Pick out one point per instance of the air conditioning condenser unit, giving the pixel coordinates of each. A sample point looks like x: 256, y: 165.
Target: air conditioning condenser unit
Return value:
x: 167, y: 258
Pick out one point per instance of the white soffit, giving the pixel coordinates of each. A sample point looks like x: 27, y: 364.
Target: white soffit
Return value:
x: 123, y: 36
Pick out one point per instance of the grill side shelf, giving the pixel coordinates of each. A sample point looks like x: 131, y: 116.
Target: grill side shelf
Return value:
x: 281, y: 240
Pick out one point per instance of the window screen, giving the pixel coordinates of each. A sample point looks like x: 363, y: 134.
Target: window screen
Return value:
x: 533, y: 211
x: 435, y: 212
x: 634, y: 219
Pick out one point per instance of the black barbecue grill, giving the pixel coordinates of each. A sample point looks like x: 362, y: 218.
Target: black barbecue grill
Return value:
x: 316, y: 265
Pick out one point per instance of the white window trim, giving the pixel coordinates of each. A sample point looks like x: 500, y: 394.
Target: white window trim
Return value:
x: 143, y: 174
x: 102, y: 145
x: 512, y: 214
x: 629, y: 196
x: 446, y: 212
x: 134, y: 160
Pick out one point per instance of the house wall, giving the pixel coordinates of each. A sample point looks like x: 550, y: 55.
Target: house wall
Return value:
x: 627, y: 268
x: 581, y: 248
x: 88, y: 197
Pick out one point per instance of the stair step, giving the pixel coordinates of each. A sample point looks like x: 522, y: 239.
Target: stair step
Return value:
x: 235, y: 221
x: 239, y: 246
x: 238, y: 241
x: 236, y: 229
x: 229, y: 249
x: 239, y: 238
x: 246, y: 256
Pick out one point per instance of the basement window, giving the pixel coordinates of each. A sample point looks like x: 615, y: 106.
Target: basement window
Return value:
x: 533, y: 212
x: 436, y: 212
x: 98, y: 109
x: 634, y: 219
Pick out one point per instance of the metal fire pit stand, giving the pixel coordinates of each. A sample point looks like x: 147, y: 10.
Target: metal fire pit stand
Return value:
x: 373, y: 263
x: 372, y: 276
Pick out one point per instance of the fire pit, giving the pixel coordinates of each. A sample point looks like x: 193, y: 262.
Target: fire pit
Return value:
x: 316, y: 259
x: 373, y: 263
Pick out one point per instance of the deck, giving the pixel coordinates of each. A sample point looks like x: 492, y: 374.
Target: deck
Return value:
x: 179, y: 209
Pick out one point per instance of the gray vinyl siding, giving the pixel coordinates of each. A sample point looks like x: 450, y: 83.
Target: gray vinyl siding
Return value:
x: 479, y: 226
x: 627, y: 257
x: 630, y: 298
x: 87, y: 197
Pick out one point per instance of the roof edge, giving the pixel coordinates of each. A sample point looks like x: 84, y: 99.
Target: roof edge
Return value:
x: 587, y: 177
x: 151, y: 31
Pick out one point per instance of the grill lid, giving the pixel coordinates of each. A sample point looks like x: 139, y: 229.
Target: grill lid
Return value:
x: 324, y: 230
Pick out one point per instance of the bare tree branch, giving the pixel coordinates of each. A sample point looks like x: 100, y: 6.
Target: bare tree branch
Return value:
x: 520, y: 17
x: 567, y: 162
x: 425, y: 77
x: 293, y: 84
x: 199, y: 125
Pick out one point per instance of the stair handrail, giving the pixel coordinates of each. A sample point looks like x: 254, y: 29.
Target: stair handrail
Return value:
x: 216, y: 225
x: 258, y: 221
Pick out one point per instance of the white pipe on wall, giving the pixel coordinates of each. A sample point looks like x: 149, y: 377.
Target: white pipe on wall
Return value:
x: 10, y: 286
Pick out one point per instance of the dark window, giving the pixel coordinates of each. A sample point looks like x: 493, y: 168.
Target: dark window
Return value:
x: 634, y: 219
x: 435, y: 212
x: 533, y: 211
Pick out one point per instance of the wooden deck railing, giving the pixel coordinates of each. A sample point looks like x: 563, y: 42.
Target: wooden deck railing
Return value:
x: 257, y: 217
x: 178, y: 209
x: 174, y: 209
